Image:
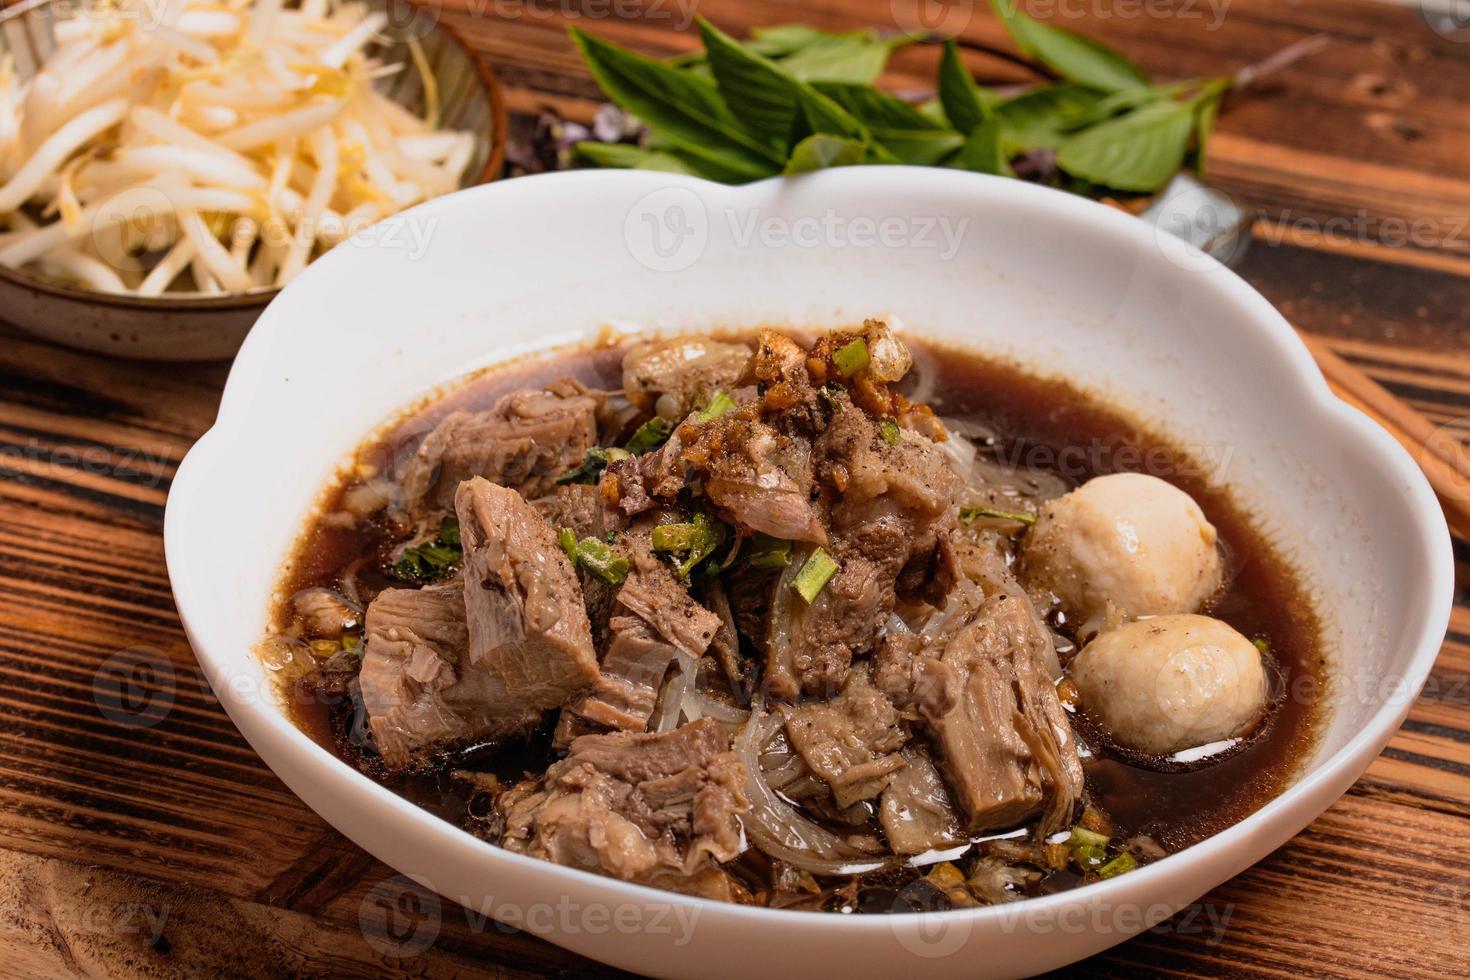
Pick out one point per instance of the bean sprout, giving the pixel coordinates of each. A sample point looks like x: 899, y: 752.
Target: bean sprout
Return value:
x: 209, y: 148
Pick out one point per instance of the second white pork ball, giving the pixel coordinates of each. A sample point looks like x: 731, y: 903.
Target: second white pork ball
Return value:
x: 1171, y: 683
x: 1129, y: 539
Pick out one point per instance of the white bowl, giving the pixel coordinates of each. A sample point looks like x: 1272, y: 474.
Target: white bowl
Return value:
x: 1056, y: 282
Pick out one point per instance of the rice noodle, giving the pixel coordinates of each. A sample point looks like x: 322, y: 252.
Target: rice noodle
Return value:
x: 671, y: 699
x: 776, y: 827
x: 698, y: 704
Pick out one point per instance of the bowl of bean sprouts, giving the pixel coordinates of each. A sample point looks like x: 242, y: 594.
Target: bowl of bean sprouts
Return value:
x: 167, y: 166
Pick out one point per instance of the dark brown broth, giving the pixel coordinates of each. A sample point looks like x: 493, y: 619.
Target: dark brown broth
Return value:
x: 1037, y: 420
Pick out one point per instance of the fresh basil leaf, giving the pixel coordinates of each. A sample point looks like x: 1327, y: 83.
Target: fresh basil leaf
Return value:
x: 686, y: 109
x: 1204, y: 124
x: 785, y: 40
x: 1040, y: 118
x: 876, y: 109
x: 984, y: 151
x: 1072, y: 56
x: 780, y: 40
x: 933, y: 110
x: 759, y: 94
x: 907, y: 133
x: 628, y: 157
x: 702, y: 166
x: 857, y: 60
x: 1139, y: 151
x: 1206, y: 108
x: 823, y: 115
x: 966, y: 104
x: 822, y: 150
x: 1118, y: 103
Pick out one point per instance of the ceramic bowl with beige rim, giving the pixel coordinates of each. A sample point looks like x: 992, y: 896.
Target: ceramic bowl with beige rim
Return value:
x: 1038, y: 277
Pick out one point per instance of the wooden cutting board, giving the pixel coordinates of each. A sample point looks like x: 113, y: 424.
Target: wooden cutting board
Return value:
x: 142, y: 842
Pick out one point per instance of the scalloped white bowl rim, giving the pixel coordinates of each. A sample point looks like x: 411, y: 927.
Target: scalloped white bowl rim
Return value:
x: 587, y: 211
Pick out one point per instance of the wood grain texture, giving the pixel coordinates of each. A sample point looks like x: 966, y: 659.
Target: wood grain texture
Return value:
x: 142, y: 842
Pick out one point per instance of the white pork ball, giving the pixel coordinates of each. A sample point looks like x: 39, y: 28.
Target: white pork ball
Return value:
x: 1171, y: 683
x: 1127, y: 538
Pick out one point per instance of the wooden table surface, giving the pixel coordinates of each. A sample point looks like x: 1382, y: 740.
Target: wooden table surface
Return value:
x: 140, y: 835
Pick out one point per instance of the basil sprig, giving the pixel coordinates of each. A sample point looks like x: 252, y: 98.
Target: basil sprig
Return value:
x: 793, y: 99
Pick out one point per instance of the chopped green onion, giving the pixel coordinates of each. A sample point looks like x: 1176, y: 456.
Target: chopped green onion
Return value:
x: 814, y: 575
x: 851, y: 358
x: 1081, y: 836
x: 674, y: 537
x: 650, y: 435
x: 1121, y: 864
x: 431, y: 560
x: 589, y: 470
x: 1262, y: 644
x: 770, y: 552
x: 888, y: 429
x: 449, y: 531
x: 610, y: 537
x: 616, y: 455
x: 602, y: 561
x: 719, y: 404
x: 697, y: 540
x: 1088, y: 856
x: 567, y: 538
x: 969, y: 514
x: 351, y: 642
